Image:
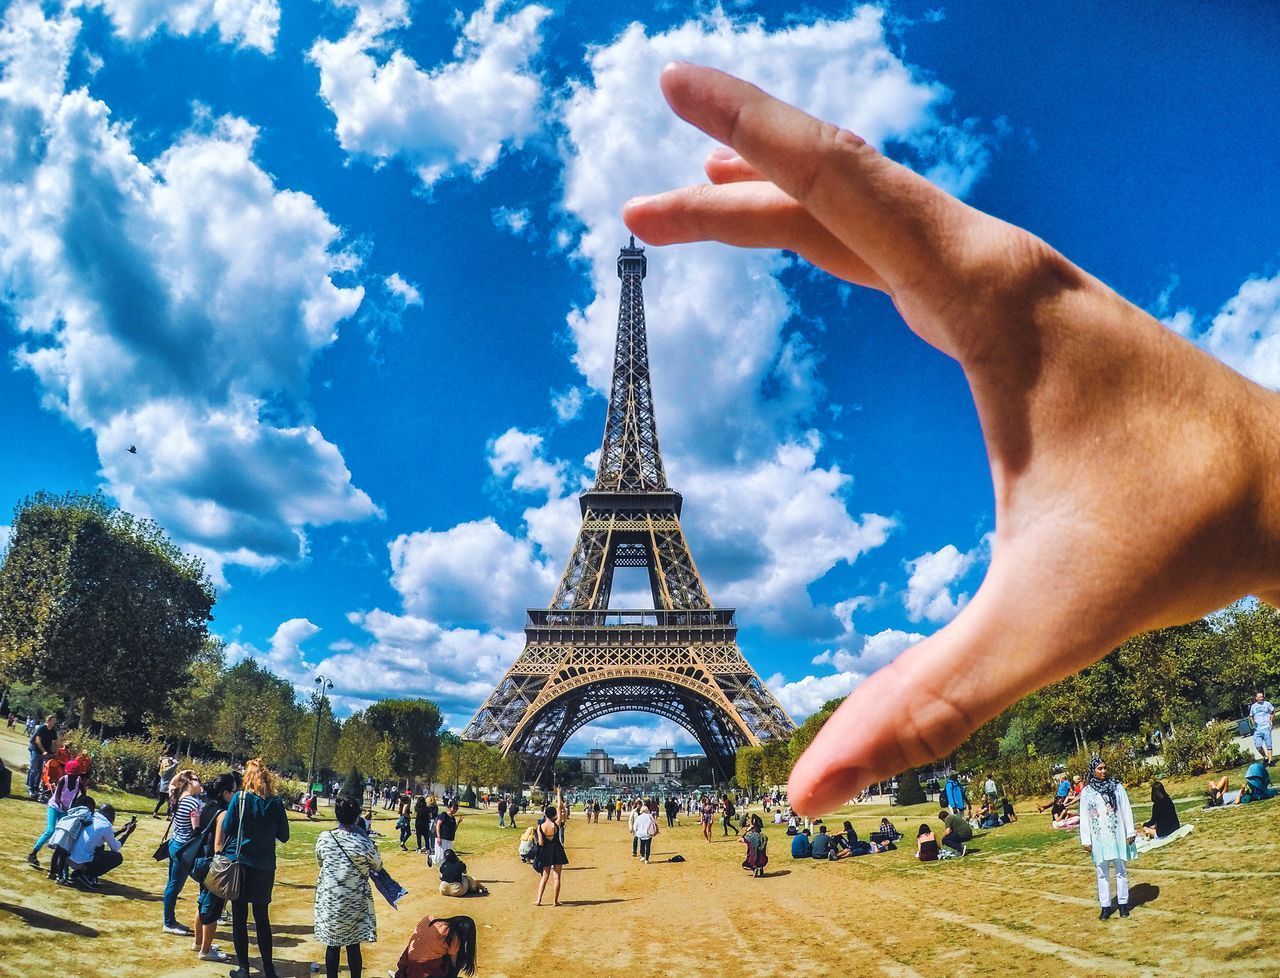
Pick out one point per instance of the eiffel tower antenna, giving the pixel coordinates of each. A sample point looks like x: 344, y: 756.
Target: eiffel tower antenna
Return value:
x: 583, y: 660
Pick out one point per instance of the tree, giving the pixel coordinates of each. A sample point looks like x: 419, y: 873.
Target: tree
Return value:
x: 775, y: 762
x: 359, y: 745
x: 259, y: 715
x: 413, y: 729
x: 192, y: 713
x: 353, y: 786
x: 910, y: 791
x: 748, y: 767
x: 99, y: 606
x: 804, y: 734
x: 696, y: 774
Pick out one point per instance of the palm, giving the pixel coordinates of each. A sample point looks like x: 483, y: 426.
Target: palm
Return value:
x: 1126, y: 474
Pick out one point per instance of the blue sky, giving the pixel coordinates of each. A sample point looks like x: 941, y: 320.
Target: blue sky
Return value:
x: 343, y: 272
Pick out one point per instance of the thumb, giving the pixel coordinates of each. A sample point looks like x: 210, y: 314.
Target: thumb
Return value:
x: 925, y: 703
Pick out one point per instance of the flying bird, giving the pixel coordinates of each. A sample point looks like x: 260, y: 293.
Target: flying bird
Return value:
x: 133, y: 449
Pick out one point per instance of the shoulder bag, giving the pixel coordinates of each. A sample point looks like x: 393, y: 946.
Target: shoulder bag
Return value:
x: 391, y: 891
x: 162, y: 850
x: 226, y: 876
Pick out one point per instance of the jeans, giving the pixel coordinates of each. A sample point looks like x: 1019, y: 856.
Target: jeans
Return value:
x: 635, y: 844
x: 953, y: 841
x: 33, y: 772
x: 645, y: 846
x: 103, y: 862
x: 176, y: 880
x: 54, y: 815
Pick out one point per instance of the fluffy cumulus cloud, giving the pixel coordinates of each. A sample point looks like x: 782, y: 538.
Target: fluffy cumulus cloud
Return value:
x: 1244, y: 333
x: 244, y: 23
x: 932, y: 577
x: 405, y: 291
x: 632, y: 738
x: 396, y: 655
x: 173, y: 306
x: 457, y: 116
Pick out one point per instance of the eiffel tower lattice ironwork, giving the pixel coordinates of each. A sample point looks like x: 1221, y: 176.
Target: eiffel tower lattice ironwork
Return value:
x: 583, y: 660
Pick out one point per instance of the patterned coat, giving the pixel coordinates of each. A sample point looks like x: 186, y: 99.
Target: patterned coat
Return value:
x: 1106, y: 829
x: 344, y: 901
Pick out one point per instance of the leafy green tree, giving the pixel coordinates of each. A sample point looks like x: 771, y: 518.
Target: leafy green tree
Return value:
x: 99, y: 606
x: 910, y: 791
x: 413, y: 729
x: 748, y: 767
x: 330, y: 731
x: 353, y: 785
x: 775, y: 763
x: 259, y: 715
x: 360, y: 745
x: 696, y: 774
x: 192, y: 714
x: 804, y: 734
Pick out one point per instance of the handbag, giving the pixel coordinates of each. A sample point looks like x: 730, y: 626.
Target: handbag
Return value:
x: 162, y: 850
x: 391, y: 891
x: 226, y: 876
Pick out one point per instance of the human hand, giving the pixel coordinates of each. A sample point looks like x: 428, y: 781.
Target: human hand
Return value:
x: 1090, y: 848
x: 1134, y: 474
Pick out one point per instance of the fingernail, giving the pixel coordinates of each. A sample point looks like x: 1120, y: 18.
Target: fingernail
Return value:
x: 722, y: 153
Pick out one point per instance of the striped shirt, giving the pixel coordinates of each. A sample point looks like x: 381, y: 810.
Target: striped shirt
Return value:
x: 186, y: 817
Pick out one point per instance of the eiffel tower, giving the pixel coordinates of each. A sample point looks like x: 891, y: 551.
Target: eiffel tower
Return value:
x: 583, y: 660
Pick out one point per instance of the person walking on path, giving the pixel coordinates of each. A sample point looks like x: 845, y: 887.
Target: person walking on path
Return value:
x: 502, y: 812
x: 1107, y: 834
x: 646, y: 828
x: 708, y: 818
x: 40, y: 747
x: 256, y: 813
x: 632, y: 815
x: 1262, y: 715
x: 344, y: 914
x: 549, y: 858
x: 165, y: 770
x: 421, y: 824
x: 185, y: 804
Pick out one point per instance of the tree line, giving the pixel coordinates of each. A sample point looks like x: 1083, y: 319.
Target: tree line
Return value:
x: 105, y: 620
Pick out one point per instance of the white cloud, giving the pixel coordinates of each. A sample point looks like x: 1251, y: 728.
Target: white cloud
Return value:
x: 472, y: 573
x: 567, y: 403
x: 5, y: 533
x: 518, y: 222
x: 174, y: 305
x: 805, y: 696
x: 456, y: 116
x: 406, y: 292
x: 631, y: 737
x: 932, y: 575
x: 867, y: 653
x: 245, y: 23
x: 1244, y: 333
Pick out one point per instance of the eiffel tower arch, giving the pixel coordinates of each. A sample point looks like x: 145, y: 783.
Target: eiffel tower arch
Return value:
x: 583, y: 660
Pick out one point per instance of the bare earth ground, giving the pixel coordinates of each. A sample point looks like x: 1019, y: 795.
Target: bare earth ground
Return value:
x: 1021, y: 904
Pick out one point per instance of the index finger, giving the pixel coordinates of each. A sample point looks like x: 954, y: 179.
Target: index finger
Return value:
x: 902, y: 225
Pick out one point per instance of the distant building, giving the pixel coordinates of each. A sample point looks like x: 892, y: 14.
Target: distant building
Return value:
x: 666, y: 766
x: 668, y: 762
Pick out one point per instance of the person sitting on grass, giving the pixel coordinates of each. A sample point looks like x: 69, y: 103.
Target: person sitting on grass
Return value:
x: 958, y: 831
x: 886, y: 827
x: 1164, y: 817
x: 1257, y: 787
x: 846, y: 840
x: 820, y: 848
x: 987, y: 817
x: 454, y: 880
x: 1060, y: 793
x: 801, y: 847
x: 1007, y: 811
x: 926, y: 844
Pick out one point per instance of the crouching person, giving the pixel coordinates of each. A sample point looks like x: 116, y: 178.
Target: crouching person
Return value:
x: 454, y: 880
x: 96, y: 850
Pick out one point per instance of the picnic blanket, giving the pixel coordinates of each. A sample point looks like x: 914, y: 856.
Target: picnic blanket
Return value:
x: 1146, y: 845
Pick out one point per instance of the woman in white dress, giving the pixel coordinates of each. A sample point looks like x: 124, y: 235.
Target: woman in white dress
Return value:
x: 344, y: 901
x: 1107, y: 834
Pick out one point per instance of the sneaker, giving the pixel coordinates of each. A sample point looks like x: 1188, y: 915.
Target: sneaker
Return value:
x: 964, y: 848
x: 215, y: 954
x: 32, y: 860
x: 92, y: 882
x: 178, y: 930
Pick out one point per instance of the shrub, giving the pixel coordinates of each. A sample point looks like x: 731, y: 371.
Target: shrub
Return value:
x: 469, y: 797
x: 128, y: 763
x: 1195, y: 750
x: 1125, y: 761
x: 290, y: 789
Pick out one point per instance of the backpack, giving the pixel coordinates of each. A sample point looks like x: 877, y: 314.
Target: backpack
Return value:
x: 68, y: 828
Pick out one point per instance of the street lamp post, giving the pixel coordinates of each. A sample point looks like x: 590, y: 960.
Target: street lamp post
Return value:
x: 322, y: 684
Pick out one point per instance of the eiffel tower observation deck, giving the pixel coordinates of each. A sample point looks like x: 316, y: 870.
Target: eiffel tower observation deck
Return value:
x: 584, y: 660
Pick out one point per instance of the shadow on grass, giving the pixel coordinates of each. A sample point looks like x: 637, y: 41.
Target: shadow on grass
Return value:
x: 1141, y: 893
x: 112, y: 887
x: 47, y: 921
x: 595, y: 903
